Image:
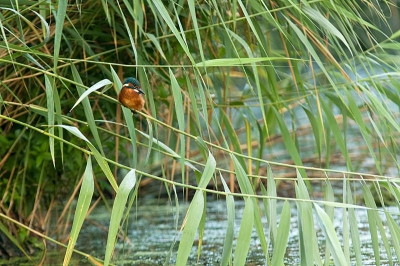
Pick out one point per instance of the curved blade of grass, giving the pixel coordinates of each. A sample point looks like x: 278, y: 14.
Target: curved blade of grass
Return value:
x: 310, y: 49
x: 246, y: 188
x: 3, y: 33
x: 249, y: 139
x: 317, y: 129
x: 325, y: 23
x: 208, y: 172
x: 95, y: 87
x: 255, y: 71
x: 82, y: 207
x: 202, y: 183
x: 202, y: 94
x: 337, y: 133
x: 379, y: 105
x: 87, y: 109
x: 261, y: 130
x: 202, y: 227
x: 243, y: 180
x: 33, y: 60
x: 9, y: 90
x: 152, y: 128
x: 171, y: 24
x: 106, y: 11
x: 144, y: 81
x: 29, y: 20
x: 283, y: 233
x: 156, y: 43
x: 372, y: 220
x: 394, y: 233
x: 260, y: 229
x: 171, y: 152
x: 99, y: 158
x: 104, y: 167
x: 289, y: 142
x: 331, y: 237
x: 194, y: 214
x: 233, y: 137
x: 270, y: 204
x: 250, y: 23
x: 192, y: 9
x: 191, y: 224
x: 176, y: 91
x: 355, y: 234
x: 75, y: 131
x: 202, y: 147
x: 50, y: 112
x: 330, y: 211
x: 309, y: 253
x: 123, y: 191
x: 193, y: 102
x: 171, y: 250
x: 244, y: 237
x: 22, y: 42
x: 58, y: 116
x: 60, y: 17
x: 345, y: 230
x: 136, y: 13
x: 357, y: 116
x: 375, y: 226
x: 228, y: 242
x: 4, y: 37
x: 150, y: 144
x: 46, y: 29
x: 128, y: 30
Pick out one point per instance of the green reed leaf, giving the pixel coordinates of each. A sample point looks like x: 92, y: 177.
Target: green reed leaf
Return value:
x: 191, y: 224
x: 283, y: 233
x: 194, y: 214
x: 95, y: 87
x: 99, y: 158
x: 330, y: 235
x: 244, y: 237
x: 165, y: 15
x: 50, y: 112
x: 87, y: 109
x: 121, y: 198
x: 60, y: 18
x: 82, y: 207
x: 228, y: 242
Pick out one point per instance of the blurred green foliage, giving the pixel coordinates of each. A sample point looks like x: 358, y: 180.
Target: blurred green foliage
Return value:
x: 306, y: 89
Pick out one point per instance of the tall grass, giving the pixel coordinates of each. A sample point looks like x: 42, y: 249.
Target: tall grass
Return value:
x: 251, y: 97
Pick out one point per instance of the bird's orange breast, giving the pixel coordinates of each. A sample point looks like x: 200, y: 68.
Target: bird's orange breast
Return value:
x: 131, y: 99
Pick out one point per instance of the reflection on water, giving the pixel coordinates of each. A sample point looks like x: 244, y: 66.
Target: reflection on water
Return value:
x: 153, y: 229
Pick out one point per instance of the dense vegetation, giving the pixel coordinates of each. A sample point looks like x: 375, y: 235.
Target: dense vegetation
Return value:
x: 261, y: 101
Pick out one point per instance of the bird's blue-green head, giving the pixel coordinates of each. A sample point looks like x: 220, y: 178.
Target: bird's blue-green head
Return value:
x: 134, y: 84
x: 134, y: 81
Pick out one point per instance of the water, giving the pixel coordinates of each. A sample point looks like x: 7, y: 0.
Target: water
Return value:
x: 153, y: 236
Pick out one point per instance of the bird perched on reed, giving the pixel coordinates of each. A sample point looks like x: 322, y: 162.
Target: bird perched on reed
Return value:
x: 131, y: 95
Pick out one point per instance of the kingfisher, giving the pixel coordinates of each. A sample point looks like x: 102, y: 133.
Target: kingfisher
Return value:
x: 130, y: 95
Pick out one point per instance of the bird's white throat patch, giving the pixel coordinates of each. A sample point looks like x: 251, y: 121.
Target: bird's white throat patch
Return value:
x: 130, y: 86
